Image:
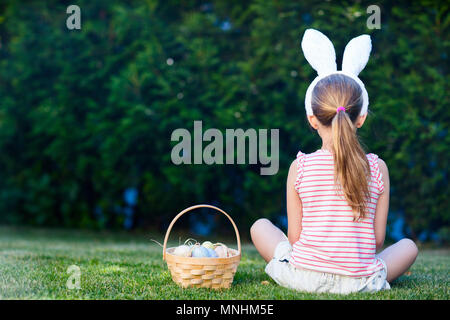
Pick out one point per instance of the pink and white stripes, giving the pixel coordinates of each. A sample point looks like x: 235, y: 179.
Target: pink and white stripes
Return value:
x: 330, y: 240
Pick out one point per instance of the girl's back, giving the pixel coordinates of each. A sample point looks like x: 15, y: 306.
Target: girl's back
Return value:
x: 331, y: 239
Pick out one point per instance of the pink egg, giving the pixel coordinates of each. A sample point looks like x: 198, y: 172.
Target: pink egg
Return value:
x: 221, y: 251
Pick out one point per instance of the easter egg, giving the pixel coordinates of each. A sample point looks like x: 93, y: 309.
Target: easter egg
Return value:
x: 208, y: 244
x: 183, y: 251
x: 221, y: 251
x: 212, y: 253
x: 200, y: 252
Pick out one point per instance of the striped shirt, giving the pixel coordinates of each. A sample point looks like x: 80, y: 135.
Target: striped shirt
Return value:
x: 330, y: 241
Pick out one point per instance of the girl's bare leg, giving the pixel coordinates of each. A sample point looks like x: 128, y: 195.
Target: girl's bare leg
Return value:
x: 399, y: 257
x: 265, y: 237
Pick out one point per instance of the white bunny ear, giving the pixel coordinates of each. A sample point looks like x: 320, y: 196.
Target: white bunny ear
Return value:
x: 319, y: 51
x: 356, y: 54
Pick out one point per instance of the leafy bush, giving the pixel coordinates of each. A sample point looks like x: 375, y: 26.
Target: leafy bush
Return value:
x: 86, y: 114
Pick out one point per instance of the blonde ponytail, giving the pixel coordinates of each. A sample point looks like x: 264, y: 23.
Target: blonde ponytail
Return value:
x: 352, y: 169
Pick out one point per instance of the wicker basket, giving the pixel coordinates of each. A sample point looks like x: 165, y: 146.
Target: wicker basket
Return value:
x: 213, y: 273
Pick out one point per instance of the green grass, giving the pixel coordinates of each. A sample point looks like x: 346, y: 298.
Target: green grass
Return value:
x: 34, y: 262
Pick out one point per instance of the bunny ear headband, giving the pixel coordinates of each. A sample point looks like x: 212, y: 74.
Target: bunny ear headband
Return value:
x: 319, y: 51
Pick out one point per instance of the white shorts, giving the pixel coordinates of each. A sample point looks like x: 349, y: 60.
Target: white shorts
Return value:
x: 289, y: 276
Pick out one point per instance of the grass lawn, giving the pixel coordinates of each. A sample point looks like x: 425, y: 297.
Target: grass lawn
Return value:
x: 34, y: 263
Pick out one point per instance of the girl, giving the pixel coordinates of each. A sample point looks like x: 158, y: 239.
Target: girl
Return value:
x: 338, y: 196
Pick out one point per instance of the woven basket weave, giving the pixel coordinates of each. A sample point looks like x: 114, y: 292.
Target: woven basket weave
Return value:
x: 213, y: 273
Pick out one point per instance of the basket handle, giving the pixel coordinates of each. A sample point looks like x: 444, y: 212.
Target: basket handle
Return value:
x: 196, y: 207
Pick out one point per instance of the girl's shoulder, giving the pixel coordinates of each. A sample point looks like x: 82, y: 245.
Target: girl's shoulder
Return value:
x: 373, y: 158
x: 297, y: 166
x: 301, y: 156
x: 376, y: 163
x: 319, y: 152
x: 378, y: 169
x: 376, y: 160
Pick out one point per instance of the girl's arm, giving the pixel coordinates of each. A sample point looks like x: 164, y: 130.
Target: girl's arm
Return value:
x: 382, y: 210
x: 294, y: 206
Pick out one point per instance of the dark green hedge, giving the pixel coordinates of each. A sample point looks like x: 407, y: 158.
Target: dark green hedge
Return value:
x: 86, y: 114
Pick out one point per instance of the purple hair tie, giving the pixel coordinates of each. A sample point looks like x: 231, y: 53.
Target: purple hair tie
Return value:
x: 340, y: 109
